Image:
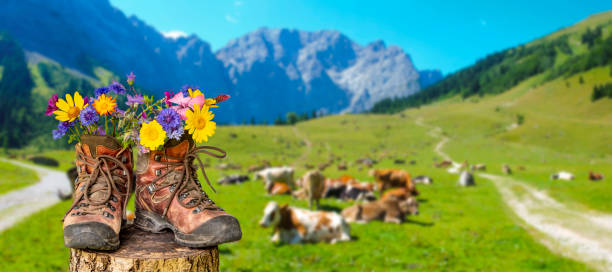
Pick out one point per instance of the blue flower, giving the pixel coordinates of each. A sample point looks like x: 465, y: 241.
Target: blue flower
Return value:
x: 101, y: 91
x: 62, y: 129
x: 176, y: 133
x: 117, y: 87
x: 168, y: 119
x: 134, y: 100
x: 88, y: 116
x: 187, y: 87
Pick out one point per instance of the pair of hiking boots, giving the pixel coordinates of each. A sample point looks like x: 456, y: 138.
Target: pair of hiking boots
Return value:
x: 168, y: 195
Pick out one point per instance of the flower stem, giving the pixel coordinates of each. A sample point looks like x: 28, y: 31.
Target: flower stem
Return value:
x: 106, y: 124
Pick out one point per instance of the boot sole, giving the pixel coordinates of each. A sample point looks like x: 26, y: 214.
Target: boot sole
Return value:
x: 91, y: 235
x: 155, y: 223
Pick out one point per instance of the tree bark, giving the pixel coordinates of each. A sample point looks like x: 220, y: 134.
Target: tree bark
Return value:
x: 144, y: 251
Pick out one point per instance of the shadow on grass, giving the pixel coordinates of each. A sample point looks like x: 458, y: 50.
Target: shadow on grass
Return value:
x: 225, y: 251
x: 420, y: 223
x: 324, y: 207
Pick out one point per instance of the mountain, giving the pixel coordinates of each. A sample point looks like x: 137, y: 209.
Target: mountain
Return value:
x: 268, y: 72
x: 567, y: 52
x: 322, y: 70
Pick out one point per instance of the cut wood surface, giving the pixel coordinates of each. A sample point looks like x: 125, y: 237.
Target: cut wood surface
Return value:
x: 145, y: 251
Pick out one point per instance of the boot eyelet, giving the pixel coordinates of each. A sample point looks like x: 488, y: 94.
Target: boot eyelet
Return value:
x: 172, y: 188
x: 151, y: 188
x: 124, y: 159
x: 107, y: 214
x: 158, y: 172
x: 113, y: 198
x: 196, y: 210
x: 157, y: 157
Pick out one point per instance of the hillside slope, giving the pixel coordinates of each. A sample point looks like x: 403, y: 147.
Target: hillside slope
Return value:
x: 567, y: 52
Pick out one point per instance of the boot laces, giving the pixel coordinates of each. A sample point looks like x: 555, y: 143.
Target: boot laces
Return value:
x: 184, y: 183
x: 103, y: 180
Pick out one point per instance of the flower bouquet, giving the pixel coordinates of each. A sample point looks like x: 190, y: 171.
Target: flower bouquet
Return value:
x: 168, y: 193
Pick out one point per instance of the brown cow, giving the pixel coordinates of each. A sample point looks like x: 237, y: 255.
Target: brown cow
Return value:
x: 389, y: 210
x: 313, y: 187
x: 595, y: 176
x: 443, y: 164
x: 278, y: 188
x: 393, y: 178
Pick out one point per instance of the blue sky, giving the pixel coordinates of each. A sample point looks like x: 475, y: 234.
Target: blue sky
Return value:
x: 447, y: 35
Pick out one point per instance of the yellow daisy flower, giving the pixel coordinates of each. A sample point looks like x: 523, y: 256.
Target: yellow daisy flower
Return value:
x: 152, y: 135
x: 199, y: 123
x: 105, y: 104
x: 194, y: 93
x: 69, y: 109
x: 210, y: 102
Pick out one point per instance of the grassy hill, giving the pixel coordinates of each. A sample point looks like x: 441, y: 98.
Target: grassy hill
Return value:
x: 562, y: 54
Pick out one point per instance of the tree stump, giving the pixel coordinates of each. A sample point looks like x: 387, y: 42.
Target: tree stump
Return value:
x: 145, y: 251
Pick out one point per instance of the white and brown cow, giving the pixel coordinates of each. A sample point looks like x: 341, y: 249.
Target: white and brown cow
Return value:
x: 294, y: 225
x: 391, y: 209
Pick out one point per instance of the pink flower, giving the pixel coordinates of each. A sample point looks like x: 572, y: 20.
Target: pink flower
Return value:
x: 183, y: 103
x: 130, y: 78
x: 51, y: 106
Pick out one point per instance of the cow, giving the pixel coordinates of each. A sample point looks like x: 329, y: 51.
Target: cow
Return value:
x: 595, y: 176
x: 342, y: 166
x: 277, y: 174
x: 294, y: 225
x: 466, y: 179
x: 479, y: 167
x: 233, y: 179
x: 506, y: 169
x: 398, y: 193
x: 443, y: 164
x: 323, y: 166
x: 423, y: 180
x: 390, y: 210
x: 359, y: 191
x: 313, y: 187
x: 562, y: 175
x: 393, y: 178
x: 277, y: 188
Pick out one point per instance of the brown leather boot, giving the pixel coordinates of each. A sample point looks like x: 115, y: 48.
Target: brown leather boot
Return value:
x: 169, y: 196
x: 101, y: 192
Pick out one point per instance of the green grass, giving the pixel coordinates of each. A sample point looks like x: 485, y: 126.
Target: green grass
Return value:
x: 465, y: 229
x: 14, y: 177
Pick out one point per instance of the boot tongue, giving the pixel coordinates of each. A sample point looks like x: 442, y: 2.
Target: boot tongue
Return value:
x: 101, y: 144
x: 179, y: 148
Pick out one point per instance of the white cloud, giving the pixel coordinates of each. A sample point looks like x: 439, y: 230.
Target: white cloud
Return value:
x: 174, y: 34
x: 238, y: 3
x: 231, y: 19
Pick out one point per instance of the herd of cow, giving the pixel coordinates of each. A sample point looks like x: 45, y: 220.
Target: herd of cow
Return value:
x: 396, y: 190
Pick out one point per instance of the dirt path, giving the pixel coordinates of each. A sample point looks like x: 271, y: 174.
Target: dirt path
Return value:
x: 302, y: 159
x: 19, y: 204
x: 580, y: 234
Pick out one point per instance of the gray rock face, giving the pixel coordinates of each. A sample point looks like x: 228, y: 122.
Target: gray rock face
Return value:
x: 268, y: 72
x: 322, y: 70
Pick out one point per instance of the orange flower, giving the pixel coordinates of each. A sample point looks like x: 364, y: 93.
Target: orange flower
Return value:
x: 105, y: 104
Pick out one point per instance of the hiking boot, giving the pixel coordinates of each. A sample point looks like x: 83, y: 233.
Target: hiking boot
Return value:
x: 169, y: 196
x: 101, y: 192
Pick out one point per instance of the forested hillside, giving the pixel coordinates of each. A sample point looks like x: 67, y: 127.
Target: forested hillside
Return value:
x: 579, y: 48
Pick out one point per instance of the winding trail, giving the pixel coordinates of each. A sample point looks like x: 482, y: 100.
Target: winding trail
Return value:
x: 19, y: 204
x: 577, y: 233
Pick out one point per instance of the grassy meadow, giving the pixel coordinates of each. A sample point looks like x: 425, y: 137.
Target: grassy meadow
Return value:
x: 458, y: 228
x: 14, y: 177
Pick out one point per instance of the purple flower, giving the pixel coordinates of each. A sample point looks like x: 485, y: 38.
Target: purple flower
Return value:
x: 134, y: 100
x: 186, y: 87
x: 87, y: 100
x: 130, y: 78
x: 100, y: 130
x: 52, y: 107
x: 117, y: 87
x: 88, y: 116
x: 62, y: 128
x: 168, y: 119
x: 100, y: 91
